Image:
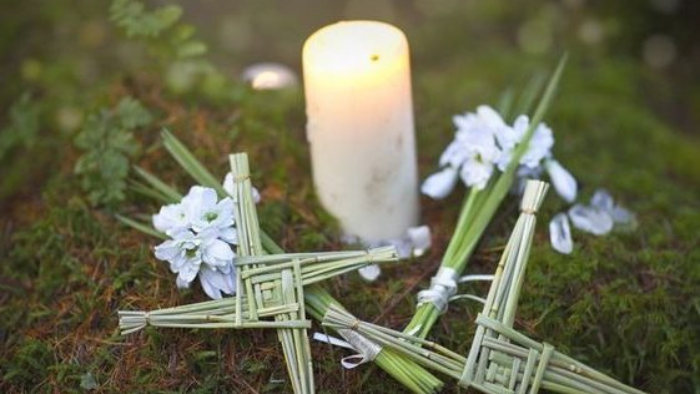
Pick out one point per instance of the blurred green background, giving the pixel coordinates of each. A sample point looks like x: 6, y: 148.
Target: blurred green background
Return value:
x: 87, y: 86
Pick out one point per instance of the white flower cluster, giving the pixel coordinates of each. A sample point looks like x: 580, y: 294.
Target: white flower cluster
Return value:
x: 203, y: 237
x: 484, y: 143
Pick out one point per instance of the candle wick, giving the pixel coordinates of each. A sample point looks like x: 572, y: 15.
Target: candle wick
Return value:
x: 374, y: 58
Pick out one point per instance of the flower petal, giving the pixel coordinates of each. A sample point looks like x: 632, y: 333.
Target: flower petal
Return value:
x: 560, y: 234
x: 229, y: 188
x: 170, y: 218
x: 589, y: 219
x: 182, y: 284
x: 229, y: 234
x: 562, y: 180
x: 420, y: 239
x: 622, y: 215
x: 602, y: 200
x: 188, y: 272
x: 370, y: 273
x: 540, y: 146
x: 476, y: 174
x: 217, y: 252
x: 167, y: 250
x: 228, y: 185
x: 440, y: 184
x: 206, y: 279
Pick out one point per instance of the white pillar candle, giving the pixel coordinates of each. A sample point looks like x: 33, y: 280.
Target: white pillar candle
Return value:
x: 360, y: 126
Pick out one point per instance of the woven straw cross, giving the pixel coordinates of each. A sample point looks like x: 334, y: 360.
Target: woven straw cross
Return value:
x: 270, y: 288
x: 501, y: 359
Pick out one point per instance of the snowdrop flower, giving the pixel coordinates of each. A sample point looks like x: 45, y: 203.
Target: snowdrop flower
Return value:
x: 478, y: 152
x: 215, y: 252
x: 562, y: 180
x: 184, y: 255
x: 440, y: 184
x: 508, y: 138
x: 486, y: 121
x: 204, y: 210
x: 229, y: 188
x: 476, y: 173
x: 189, y: 254
x: 171, y: 219
x: 187, y: 251
x: 540, y: 146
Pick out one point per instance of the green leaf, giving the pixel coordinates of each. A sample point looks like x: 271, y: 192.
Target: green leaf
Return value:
x: 189, y: 163
x: 191, y: 49
x: 108, y: 146
x: 132, y: 113
x: 136, y: 21
x: 145, y: 228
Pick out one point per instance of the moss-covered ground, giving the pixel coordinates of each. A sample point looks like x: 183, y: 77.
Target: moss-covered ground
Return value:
x: 627, y: 303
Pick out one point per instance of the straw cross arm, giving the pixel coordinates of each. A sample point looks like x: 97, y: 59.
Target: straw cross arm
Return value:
x: 510, y: 362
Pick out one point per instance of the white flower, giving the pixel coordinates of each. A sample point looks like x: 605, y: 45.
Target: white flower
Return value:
x: 508, y: 138
x: 204, y: 210
x: 171, y: 219
x: 228, y: 187
x: 440, y: 184
x: 562, y: 180
x: 455, y: 154
x: 540, y: 145
x: 184, y: 255
x: 476, y: 173
x: 215, y: 252
x: 478, y: 152
x: 187, y: 252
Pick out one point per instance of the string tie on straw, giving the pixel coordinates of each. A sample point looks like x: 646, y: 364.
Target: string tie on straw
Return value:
x: 442, y: 286
x: 366, y: 349
x: 370, y: 256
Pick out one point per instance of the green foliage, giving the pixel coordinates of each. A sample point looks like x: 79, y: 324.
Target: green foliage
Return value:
x: 22, y: 128
x: 173, y: 45
x: 108, y: 144
x: 131, y: 16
